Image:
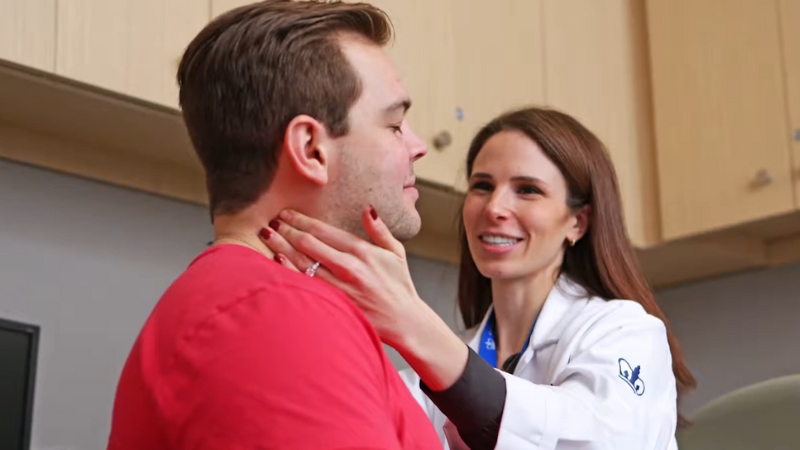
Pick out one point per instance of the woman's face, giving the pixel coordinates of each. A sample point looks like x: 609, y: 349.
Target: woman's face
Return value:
x: 515, y: 213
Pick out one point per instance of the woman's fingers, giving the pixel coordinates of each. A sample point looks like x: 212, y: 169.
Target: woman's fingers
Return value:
x: 284, y: 261
x: 285, y: 254
x: 320, y: 272
x: 304, y: 249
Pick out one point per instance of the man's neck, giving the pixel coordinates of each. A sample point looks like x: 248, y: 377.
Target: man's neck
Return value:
x: 243, y: 228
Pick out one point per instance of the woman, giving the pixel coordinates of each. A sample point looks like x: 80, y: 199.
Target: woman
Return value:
x: 549, y: 289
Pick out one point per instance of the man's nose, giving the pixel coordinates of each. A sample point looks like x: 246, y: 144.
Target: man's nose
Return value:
x: 417, y: 147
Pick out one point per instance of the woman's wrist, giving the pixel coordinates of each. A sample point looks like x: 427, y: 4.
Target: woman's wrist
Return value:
x: 431, y: 348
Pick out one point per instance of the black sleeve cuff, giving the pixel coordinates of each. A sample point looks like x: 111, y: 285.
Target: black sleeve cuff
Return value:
x: 474, y: 403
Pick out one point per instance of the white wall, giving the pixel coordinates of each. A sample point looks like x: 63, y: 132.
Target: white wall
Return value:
x: 87, y: 261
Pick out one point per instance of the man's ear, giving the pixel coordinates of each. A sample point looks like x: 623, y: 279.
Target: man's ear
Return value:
x: 308, y: 146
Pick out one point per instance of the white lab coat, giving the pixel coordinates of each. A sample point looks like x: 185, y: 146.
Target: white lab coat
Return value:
x: 571, y: 388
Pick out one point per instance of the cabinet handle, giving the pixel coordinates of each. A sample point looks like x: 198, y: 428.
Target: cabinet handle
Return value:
x: 763, y: 178
x: 442, y: 140
x: 797, y: 135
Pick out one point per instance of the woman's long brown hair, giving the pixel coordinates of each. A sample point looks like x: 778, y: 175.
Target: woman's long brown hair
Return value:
x: 603, y: 261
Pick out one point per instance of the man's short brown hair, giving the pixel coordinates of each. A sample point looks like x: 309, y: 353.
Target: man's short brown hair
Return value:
x: 250, y: 71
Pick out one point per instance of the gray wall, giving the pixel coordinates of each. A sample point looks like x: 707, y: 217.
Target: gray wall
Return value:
x: 87, y: 261
x: 737, y: 330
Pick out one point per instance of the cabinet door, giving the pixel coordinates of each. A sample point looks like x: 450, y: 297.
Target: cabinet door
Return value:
x: 220, y: 6
x: 28, y: 33
x: 720, y: 113
x: 499, y: 62
x: 129, y: 46
x: 790, y: 26
x: 597, y: 70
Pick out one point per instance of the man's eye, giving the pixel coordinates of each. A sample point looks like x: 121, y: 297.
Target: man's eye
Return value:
x: 481, y: 186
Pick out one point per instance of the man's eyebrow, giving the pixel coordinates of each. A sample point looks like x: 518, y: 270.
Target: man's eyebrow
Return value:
x: 403, y: 105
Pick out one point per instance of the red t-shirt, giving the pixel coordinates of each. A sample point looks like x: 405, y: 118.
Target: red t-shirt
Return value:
x: 242, y: 353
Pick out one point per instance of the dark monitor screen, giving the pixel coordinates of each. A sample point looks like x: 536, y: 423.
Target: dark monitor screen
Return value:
x: 19, y: 344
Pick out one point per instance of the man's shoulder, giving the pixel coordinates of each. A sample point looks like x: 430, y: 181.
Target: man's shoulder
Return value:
x: 235, y: 280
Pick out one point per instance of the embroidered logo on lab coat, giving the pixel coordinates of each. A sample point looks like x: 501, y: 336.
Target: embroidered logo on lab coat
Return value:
x: 631, y: 376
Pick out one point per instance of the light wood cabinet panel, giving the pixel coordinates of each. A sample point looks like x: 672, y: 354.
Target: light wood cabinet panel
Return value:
x: 131, y: 47
x: 720, y: 113
x: 423, y: 52
x: 28, y: 33
x: 597, y: 70
x: 220, y: 6
x: 789, y: 12
x: 499, y: 63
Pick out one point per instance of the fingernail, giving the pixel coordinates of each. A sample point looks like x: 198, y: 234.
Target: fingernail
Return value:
x: 274, y: 224
x: 285, y: 215
x: 279, y: 259
x: 265, y: 233
x: 373, y: 213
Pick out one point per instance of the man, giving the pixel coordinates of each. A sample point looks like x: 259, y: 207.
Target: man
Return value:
x: 289, y: 105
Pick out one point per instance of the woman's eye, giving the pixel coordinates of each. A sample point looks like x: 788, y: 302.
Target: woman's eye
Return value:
x: 529, y: 190
x: 397, y: 129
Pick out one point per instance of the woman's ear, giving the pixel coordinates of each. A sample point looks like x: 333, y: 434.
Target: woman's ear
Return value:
x: 307, y: 144
x: 581, y: 224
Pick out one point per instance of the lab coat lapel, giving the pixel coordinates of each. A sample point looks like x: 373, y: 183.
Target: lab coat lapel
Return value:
x: 551, y: 322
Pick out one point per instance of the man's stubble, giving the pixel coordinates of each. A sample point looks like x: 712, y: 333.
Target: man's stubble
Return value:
x: 358, y: 185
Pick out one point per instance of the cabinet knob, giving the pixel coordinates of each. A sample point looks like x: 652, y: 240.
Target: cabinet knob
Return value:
x: 763, y: 178
x: 797, y: 134
x: 442, y: 140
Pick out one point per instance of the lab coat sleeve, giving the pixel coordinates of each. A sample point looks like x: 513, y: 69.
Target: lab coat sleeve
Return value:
x: 617, y: 392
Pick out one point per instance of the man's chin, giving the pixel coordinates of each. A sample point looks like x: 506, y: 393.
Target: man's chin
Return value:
x: 409, y: 228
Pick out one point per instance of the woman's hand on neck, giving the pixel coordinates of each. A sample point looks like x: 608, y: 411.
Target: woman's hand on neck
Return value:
x: 517, y: 303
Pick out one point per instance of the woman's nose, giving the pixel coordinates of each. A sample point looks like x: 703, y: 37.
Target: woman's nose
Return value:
x: 498, y: 208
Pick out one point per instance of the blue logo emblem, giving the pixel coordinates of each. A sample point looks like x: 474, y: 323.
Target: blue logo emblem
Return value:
x: 631, y: 376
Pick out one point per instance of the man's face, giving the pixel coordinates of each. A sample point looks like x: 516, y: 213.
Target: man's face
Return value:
x: 374, y: 161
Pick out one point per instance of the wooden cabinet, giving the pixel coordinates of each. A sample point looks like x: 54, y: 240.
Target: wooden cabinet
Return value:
x: 789, y: 11
x: 597, y: 70
x: 28, y: 33
x: 131, y: 47
x: 499, y: 63
x: 720, y: 102
x: 220, y: 6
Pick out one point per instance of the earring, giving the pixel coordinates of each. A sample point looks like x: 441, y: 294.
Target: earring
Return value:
x: 571, y: 242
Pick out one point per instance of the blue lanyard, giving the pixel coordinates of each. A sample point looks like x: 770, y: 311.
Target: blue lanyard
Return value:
x: 488, y: 346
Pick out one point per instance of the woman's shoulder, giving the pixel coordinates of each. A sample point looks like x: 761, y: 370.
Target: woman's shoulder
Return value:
x: 599, y: 318
x: 584, y: 305
x: 622, y: 309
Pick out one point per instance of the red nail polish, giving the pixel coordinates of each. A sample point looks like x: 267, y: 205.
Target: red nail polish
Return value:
x: 373, y: 213
x: 265, y: 233
x: 274, y: 224
x: 280, y: 259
